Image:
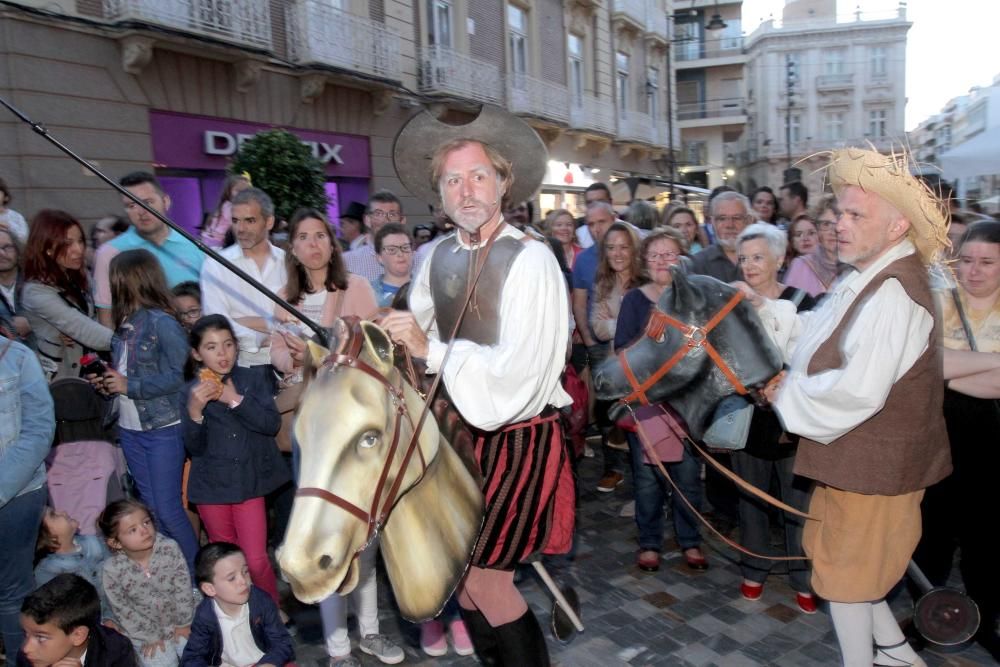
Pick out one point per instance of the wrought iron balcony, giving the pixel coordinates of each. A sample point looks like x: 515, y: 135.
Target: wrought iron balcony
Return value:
x: 321, y: 34
x: 697, y: 49
x: 721, y: 108
x: 835, y: 81
x: 632, y: 11
x: 445, y: 71
x: 247, y: 23
x: 635, y: 126
x: 590, y: 113
x: 527, y: 95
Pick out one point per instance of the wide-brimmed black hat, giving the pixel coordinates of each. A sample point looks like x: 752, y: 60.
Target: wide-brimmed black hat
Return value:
x: 355, y: 211
x: 503, y: 131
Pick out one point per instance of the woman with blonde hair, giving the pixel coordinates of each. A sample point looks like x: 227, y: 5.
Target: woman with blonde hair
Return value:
x: 816, y: 271
x: 561, y: 225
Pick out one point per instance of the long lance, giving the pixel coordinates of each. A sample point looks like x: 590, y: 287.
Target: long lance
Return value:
x: 321, y: 333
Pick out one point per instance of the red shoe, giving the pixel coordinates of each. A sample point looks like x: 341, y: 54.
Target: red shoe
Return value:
x: 695, y: 560
x: 751, y: 591
x: 648, y: 560
x: 807, y: 602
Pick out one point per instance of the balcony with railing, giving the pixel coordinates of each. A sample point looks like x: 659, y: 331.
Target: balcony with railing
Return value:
x: 444, y: 71
x: 729, y: 108
x: 590, y: 113
x: 689, y: 50
x: 630, y: 11
x: 246, y: 23
x: 545, y: 99
x: 321, y: 34
x: 636, y: 126
x: 835, y: 81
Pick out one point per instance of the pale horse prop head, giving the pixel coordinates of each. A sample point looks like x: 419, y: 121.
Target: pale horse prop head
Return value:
x: 353, y: 427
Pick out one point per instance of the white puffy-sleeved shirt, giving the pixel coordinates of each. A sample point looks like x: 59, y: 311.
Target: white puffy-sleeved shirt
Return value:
x: 496, y: 385
x: 887, y: 336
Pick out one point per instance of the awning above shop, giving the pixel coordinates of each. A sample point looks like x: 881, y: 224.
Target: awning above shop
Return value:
x: 980, y: 156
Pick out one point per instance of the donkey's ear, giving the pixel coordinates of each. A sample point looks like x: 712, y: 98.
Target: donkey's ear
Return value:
x: 316, y: 354
x: 378, y: 346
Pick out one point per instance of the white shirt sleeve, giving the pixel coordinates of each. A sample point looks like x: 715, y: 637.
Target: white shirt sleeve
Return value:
x: 496, y: 385
x: 216, y: 299
x: 887, y: 336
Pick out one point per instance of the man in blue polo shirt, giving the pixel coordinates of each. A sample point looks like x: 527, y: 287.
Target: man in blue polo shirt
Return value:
x: 180, y: 259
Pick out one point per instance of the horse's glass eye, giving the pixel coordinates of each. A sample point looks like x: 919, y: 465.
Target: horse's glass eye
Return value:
x: 369, y: 439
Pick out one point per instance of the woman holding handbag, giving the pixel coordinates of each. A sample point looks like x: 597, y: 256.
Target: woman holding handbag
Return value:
x: 659, y: 251
x: 951, y: 509
x: 767, y: 458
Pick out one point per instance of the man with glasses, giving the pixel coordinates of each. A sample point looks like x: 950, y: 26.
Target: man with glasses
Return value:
x: 11, y: 280
x: 383, y: 207
x: 730, y: 213
x: 394, y: 251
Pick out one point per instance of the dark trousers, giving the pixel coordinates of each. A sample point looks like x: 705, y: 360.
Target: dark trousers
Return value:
x: 755, y: 522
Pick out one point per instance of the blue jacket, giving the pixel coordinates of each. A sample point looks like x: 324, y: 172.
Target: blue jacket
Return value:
x: 204, y: 646
x: 27, y: 421
x: 234, y: 456
x: 157, y: 351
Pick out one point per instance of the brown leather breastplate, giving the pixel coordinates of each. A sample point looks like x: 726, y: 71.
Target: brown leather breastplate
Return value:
x: 451, y: 273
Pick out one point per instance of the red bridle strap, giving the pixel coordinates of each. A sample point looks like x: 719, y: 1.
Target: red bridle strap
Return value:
x: 375, y: 516
x: 696, y: 337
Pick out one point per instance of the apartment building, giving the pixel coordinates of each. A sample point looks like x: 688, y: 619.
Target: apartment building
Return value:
x: 709, y: 60
x: 847, y: 88
x: 961, y: 142
x: 177, y: 85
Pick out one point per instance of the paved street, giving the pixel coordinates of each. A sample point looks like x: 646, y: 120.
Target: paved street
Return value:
x: 672, y: 617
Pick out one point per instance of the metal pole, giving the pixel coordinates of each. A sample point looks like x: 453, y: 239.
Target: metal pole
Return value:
x: 40, y: 130
x: 789, y: 79
x: 670, y: 109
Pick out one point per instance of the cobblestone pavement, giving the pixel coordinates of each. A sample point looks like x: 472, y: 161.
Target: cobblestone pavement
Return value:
x: 671, y: 617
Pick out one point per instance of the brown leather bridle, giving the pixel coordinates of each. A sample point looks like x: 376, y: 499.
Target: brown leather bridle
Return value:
x: 697, y: 337
x: 376, y: 515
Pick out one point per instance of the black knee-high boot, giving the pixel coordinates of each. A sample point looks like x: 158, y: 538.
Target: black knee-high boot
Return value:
x: 522, y: 643
x: 483, y: 635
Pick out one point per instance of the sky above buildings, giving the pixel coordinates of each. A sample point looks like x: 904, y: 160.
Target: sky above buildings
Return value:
x: 950, y: 48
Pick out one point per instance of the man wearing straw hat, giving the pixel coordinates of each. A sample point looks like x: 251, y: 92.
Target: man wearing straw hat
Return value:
x: 494, y: 301
x: 864, y: 391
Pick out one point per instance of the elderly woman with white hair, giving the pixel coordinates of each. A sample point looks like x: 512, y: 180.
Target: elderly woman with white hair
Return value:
x: 770, y: 452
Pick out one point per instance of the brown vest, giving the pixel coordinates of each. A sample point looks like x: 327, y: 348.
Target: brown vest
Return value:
x: 451, y: 272
x: 904, y: 446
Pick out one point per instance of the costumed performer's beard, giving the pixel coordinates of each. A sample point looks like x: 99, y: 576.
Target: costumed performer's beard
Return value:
x: 471, y: 213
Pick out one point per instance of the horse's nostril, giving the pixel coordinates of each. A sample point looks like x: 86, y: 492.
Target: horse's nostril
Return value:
x: 325, y: 562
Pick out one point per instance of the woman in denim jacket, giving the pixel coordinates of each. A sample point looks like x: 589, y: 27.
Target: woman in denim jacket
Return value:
x: 27, y: 423
x: 148, y: 355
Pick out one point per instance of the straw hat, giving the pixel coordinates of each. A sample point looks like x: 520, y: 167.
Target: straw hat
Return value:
x: 505, y: 132
x: 889, y: 177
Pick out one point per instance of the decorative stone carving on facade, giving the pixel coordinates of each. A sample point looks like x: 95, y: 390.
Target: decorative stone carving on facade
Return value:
x: 247, y: 74
x: 311, y: 87
x: 381, y: 99
x: 137, y: 52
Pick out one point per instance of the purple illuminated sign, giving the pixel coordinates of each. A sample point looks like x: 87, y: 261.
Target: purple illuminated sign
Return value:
x: 183, y: 141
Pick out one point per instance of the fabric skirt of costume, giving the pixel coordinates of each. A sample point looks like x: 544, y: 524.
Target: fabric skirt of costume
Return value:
x: 859, y: 544
x: 530, y: 502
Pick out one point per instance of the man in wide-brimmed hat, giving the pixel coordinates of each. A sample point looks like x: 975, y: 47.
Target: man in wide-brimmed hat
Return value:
x: 864, y: 392
x: 510, y: 331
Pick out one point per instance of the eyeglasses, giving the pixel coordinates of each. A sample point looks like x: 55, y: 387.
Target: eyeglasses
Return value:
x: 723, y: 219
x: 393, y: 250
x: 657, y: 256
x: 827, y: 224
x: 190, y: 313
x: 391, y: 216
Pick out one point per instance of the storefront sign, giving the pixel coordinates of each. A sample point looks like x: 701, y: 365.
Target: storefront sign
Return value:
x: 182, y: 141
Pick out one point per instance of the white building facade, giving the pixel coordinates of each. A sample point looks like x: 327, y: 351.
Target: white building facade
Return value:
x: 847, y: 77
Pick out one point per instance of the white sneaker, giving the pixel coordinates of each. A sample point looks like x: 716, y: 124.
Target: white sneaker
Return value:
x: 382, y: 648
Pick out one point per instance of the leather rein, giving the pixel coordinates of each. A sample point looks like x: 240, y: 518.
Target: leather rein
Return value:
x: 349, y: 358
x: 697, y: 337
